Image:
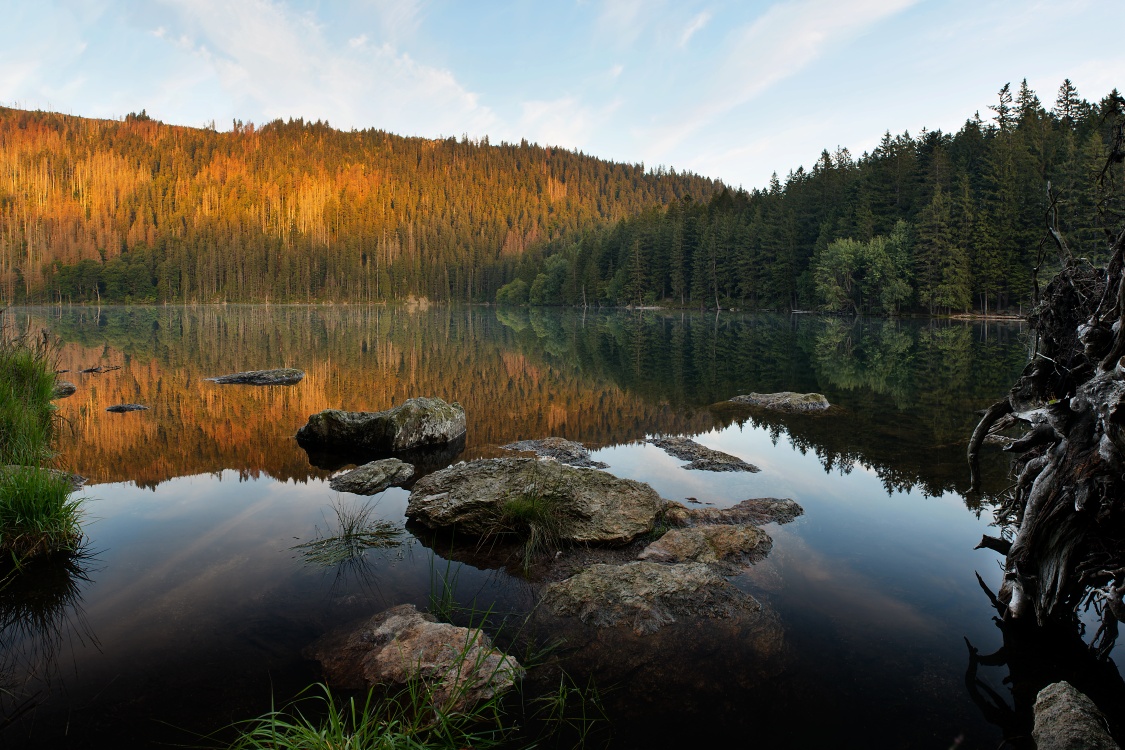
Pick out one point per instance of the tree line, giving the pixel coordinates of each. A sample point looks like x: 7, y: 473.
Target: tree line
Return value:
x: 139, y: 211
x: 938, y: 223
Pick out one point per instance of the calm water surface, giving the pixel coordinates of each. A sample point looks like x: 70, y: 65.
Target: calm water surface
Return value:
x: 193, y: 607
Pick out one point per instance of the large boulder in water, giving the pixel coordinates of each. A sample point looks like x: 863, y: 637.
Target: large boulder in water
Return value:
x: 645, y: 595
x: 584, y: 505
x: 786, y: 401
x: 279, y: 376
x: 402, y: 645
x: 416, y: 423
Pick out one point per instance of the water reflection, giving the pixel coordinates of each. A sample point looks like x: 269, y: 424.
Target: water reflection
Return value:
x: 40, y: 612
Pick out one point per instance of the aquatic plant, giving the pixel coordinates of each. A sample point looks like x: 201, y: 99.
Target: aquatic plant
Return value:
x: 356, y: 531
x: 37, y: 514
x: 371, y: 722
x: 538, y: 517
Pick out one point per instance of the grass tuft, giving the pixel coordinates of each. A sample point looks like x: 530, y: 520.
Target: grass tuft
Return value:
x: 37, y: 515
x: 357, y: 530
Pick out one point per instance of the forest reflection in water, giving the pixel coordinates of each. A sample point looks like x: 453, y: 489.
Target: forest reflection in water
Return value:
x: 909, y: 388
x: 201, y: 501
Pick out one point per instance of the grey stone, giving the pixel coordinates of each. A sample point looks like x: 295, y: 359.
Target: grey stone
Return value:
x: 401, y: 645
x: 646, y: 596
x: 63, y: 388
x: 593, y: 506
x: 279, y: 376
x: 786, y: 401
x: 756, y: 511
x: 1066, y: 719
x: 120, y: 408
x: 416, y: 423
x: 560, y: 449
x: 712, y: 544
x: 374, y: 477
x: 701, y: 457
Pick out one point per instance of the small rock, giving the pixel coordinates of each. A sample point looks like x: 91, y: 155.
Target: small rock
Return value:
x: 562, y: 450
x: 280, y: 376
x: 700, y: 456
x: 63, y: 388
x: 1066, y: 719
x: 119, y: 408
x: 787, y: 401
x: 646, y: 595
x: 712, y: 543
x: 415, y: 423
x: 756, y: 511
x: 374, y: 477
x: 400, y: 645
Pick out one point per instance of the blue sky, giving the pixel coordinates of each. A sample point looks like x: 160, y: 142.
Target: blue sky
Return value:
x: 732, y: 90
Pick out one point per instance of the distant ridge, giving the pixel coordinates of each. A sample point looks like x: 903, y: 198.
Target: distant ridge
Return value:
x: 139, y: 211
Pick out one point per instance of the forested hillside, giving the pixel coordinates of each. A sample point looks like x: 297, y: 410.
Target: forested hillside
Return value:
x: 140, y: 211
x: 936, y: 223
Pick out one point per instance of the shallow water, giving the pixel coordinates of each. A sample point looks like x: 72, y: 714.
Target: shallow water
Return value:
x: 193, y: 606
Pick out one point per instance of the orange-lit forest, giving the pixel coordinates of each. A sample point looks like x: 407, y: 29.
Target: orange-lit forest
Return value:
x: 136, y: 210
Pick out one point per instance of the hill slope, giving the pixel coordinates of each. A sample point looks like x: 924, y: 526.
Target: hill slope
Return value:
x: 137, y: 210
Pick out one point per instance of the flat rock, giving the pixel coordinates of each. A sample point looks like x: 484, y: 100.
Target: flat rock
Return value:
x: 645, y: 596
x: 1066, y: 719
x: 594, y: 507
x: 699, y: 456
x: 63, y: 388
x: 416, y: 423
x: 372, y: 478
x: 712, y: 544
x: 279, y: 376
x: 560, y: 449
x: 786, y: 401
x: 401, y: 645
x: 120, y: 408
x: 755, y: 511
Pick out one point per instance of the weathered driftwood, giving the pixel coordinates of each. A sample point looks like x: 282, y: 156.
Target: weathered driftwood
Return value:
x: 1065, y: 515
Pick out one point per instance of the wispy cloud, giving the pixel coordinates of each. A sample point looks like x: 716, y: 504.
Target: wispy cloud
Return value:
x: 783, y: 41
x: 696, y: 24
x: 270, y: 59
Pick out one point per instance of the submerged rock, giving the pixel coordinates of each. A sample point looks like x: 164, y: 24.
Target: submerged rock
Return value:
x: 374, y: 477
x: 712, y: 544
x: 756, y: 511
x: 646, y: 595
x: 415, y: 423
x: 562, y: 450
x: 401, y: 644
x: 119, y: 408
x: 1066, y: 719
x: 787, y: 401
x: 63, y: 388
x: 279, y: 376
x: 701, y: 457
x: 586, y: 506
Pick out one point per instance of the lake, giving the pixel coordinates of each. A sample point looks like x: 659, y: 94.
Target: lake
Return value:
x: 192, y: 607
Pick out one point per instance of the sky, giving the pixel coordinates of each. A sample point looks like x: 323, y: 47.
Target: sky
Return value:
x: 730, y: 89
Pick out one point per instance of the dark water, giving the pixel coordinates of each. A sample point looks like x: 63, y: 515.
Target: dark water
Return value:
x: 193, y: 607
